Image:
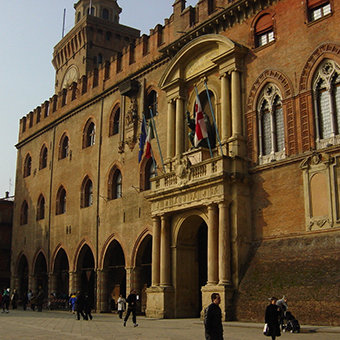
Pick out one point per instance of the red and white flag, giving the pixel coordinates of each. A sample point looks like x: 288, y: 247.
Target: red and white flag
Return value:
x: 148, y: 142
x: 200, y: 128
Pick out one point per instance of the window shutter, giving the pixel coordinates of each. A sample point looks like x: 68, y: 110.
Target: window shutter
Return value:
x: 316, y: 3
x: 264, y: 24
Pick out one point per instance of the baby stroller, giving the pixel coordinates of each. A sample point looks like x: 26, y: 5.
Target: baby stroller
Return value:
x: 293, y: 325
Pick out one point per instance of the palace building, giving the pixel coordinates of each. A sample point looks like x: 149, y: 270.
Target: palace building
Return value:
x: 257, y: 214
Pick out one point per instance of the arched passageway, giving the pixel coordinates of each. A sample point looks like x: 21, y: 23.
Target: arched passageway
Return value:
x: 114, y: 280
x: 86, y: 271
x: 190, y: 256
x: 61, y: 274
x: 22, y: 276
x: 41, y: 275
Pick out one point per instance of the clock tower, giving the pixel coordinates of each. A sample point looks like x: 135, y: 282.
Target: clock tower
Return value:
x: 96, y: 36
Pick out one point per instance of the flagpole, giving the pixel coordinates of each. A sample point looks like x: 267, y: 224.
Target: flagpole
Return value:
x: 153, y: 158
x: 213, y: 115
x: 90, y: 9
x: 159, y: 147
x: 198, y: 99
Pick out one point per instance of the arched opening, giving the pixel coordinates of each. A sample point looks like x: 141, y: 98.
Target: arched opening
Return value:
x: 114, y: 268
x: 143, y: 269
x: 22, y: 274
x: 41, y: 274
x: 85, y: 270
x: 191, y: 266
x: 61, y: 271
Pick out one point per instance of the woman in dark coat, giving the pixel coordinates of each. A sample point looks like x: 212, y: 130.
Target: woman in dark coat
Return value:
x: 272, y: 318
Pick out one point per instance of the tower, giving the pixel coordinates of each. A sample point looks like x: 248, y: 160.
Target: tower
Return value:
x: 96, y: 36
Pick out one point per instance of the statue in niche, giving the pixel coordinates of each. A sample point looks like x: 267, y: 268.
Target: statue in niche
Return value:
x: 210, y: 129
x: 131, y: 115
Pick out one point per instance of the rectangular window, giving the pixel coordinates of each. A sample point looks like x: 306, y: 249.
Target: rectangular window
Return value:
x: 318, y: 9
x: 265, y: 38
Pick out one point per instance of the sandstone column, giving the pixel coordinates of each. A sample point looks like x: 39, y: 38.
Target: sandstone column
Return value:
x: 225, y: 108
x: 179, y: 125
x: 171, y: 130
x: 165, y: 253
x: 236, y: 107
x: 156, y: 247
x: 224, y: 245
x: 212, y: 244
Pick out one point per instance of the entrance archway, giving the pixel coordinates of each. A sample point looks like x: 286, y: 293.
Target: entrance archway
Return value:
x: 191, y: 266
x: 85, y: 270
x: 41, y: 274
x: 114, y: 267
x: 61, y: 271
x: 143, y: 268
x: 22, y: 275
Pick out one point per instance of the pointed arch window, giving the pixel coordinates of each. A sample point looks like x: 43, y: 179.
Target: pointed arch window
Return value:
x: 152, y: 103
x: 150, y: 172
x: 89, y: 134
x: 115, y: 184
x: 114, y: 122
x: 64, y: 147
x: 28, y: 165
x: 61, y: 201
x: 87, y: 193
x: 271, y: 125
x: 105, y: 14
x: 41, y: 208
x: 24, y: 213
x: 43, y: 158
x: 326, y: 93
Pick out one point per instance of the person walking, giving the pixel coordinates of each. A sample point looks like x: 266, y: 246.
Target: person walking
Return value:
x: 88, y: 305
x: 132, y: 307
x: 121, y: 306
x: 40, y: 300
x: 79, y: 305
x: 283, y: 305
x: 272, y: 316
x: 213, y: 319
x: 5, y: 301
x: 72, y: 302
x: 14, y: 299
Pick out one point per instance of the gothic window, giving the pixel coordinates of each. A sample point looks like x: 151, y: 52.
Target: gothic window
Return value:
x: 24, y: 213
x: 115, y: 184
x: 41, y: 208
x: 61, y: 201
x: 152, y: 104
x: 87, y: 193
x: 318, y: 9
x: 271, y: 125
x: 64, y: 147
x: 89, y: 134
x: 105, y: 14
x: 326, y: 87
x: 264, y: 30
x: 150, y: 172
x: 114, y: 121
x: 43, y: 158
x: 28, y: 166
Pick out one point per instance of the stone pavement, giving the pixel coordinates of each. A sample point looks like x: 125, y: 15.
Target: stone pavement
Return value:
x: 57, y: 325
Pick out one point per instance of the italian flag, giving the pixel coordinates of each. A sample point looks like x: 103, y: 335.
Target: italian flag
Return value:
x: 200, y: 128
x: 148, y: 142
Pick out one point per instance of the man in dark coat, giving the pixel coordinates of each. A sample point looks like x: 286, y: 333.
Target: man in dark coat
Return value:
x: 80, y: 305
x: 132, y: 306
x: 272, y: 316
x: 213, y: 319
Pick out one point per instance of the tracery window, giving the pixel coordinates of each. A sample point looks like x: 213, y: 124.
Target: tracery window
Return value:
x: 87, y: 193
x: 326, y: 88
x: 64, y: 147
x: 24, y: 213
x: 318, y: 9
x: 89, y: 134
x: 115, y: 184
x: 61, y: 201
x: 264, y: 30
x: 27, y: 165
x: 43, y: 158
x: 271, y: 125
x: 41, y: 208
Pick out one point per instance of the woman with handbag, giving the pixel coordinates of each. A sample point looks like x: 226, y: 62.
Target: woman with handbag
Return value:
x: 272, y: 318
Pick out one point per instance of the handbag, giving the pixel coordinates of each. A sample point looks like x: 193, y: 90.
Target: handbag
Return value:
x: 266, y: 330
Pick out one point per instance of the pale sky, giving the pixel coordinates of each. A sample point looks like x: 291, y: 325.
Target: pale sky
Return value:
x: 29, y: 31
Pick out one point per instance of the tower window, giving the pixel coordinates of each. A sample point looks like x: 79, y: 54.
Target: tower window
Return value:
x: 41, y: 208
x: 64, y: 147
x: 43, y: 158
x: 89, y: 134
x: 61, y: 201
x: 28, y: 166
x: 115, y: 184
x: 105, y: 14
x: 264, y: 30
